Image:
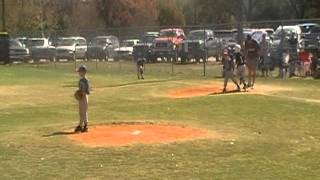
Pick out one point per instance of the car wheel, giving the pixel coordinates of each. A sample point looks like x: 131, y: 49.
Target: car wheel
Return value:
x: 217, y: 58
x: 106, y: 56
x: 36, y: 60
x: 52, y: 59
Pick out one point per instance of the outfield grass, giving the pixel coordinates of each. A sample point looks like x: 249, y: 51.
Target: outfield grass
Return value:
x: 278, y: 134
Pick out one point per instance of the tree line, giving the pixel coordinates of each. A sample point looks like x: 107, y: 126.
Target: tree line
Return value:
x: 69, y: 15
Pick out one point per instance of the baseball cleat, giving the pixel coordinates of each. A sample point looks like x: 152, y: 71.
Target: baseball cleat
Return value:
x: 84, y: 129
x: 77, y: 129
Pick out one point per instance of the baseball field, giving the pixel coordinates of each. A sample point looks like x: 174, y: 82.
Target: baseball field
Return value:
x: 271, y: 132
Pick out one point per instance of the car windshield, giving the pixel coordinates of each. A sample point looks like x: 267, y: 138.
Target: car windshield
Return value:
x: 197, y: 35
x: 15, y: 43
x: 66, y: 42
x: 148, y: 39
x: 36, y: 43
x: 168, y: 33
x: 315, y: 30
x: 224, y: 34
x: 258, y: 36
x: 128, y: 43
x: 22, y: 41
x: 100, y: 41
x: 270, y: 32
x: 285, y: 32
x: 306, y: 28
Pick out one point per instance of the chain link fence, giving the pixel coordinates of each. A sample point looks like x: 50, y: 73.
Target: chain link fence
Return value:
x: 177, y: 48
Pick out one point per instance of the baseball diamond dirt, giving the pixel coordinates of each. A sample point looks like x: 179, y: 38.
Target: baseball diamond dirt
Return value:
x: 124, y: 134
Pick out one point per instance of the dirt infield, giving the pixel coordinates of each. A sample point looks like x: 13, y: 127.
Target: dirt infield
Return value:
x: 130, y: 134
x: 196, y: 91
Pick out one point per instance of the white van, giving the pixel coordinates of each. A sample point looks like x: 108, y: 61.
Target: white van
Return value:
x: 71, y: 48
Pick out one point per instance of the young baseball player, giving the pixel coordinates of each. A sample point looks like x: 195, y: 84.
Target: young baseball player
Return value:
x: 241, y: 67
x: 284, y: 64
x: 140, y: 68
x: 82, y: 96
x: 228, y: 68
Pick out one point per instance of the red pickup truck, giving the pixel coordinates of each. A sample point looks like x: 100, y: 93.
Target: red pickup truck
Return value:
x: 167, y: 44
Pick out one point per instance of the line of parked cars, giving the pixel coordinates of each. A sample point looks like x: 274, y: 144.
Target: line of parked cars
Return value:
x: 64, y: 48
x: 71, y: 48
x: 199, y: 44
x: 166, y: 45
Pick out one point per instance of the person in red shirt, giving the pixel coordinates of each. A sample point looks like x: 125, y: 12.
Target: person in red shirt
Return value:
x: 305, y: 61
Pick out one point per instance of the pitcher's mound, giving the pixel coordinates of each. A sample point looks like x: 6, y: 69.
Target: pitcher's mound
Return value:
x: 197, y: 91
x: 128, y: 134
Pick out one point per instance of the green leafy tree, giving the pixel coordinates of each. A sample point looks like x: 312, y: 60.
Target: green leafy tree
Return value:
x: 170, y: 13
x: 117, y: 13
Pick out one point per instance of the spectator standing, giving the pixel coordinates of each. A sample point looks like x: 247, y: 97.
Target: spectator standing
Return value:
x: 264, y: 58
x: 252, y: 56
x: 293, y: 51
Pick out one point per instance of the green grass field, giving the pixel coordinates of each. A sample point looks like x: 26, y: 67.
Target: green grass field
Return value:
x: 278, y: 134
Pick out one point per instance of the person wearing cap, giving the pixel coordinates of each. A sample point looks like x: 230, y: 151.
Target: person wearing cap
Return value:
x: 140, y: 67
x: 228, y: 68
x: 252, y: 55
x: 83, y: 91
x: 265, y: 60
x: 293, y: 50
x: 241, y: 67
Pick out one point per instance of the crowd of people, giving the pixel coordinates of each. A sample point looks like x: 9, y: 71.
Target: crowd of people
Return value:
x: 293, y: 61
x: 254, y: 56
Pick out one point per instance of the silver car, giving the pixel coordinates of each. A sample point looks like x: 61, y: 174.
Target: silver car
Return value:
x: 18, y: 52
x: 41, y: 48
x: 71, y: 48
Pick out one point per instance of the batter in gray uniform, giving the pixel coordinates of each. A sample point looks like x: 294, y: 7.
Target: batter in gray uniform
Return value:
x: 228, y: 68
x: 241, y: 67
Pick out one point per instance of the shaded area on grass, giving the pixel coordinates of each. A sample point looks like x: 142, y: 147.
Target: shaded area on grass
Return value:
x: 60, y: 133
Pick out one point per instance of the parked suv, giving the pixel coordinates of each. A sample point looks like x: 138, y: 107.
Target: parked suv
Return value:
x: 41, y: 48
x: 144, y: 48
x: 103, y: 47
x: 167, y: 44
x: 311, y: 40
x: 125, y: 51
x: 71, y: 48
x: 227, y: 37
x: 199, y: 43
x: 18, y: 52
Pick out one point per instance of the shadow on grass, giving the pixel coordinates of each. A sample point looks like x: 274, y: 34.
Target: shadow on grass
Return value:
x: 59, y: 134
x: 137, y: 83
x: 74, y: 84
x: 228, y: 92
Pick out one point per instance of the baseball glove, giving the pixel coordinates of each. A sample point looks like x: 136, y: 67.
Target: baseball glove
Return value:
x: 78, y: 95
